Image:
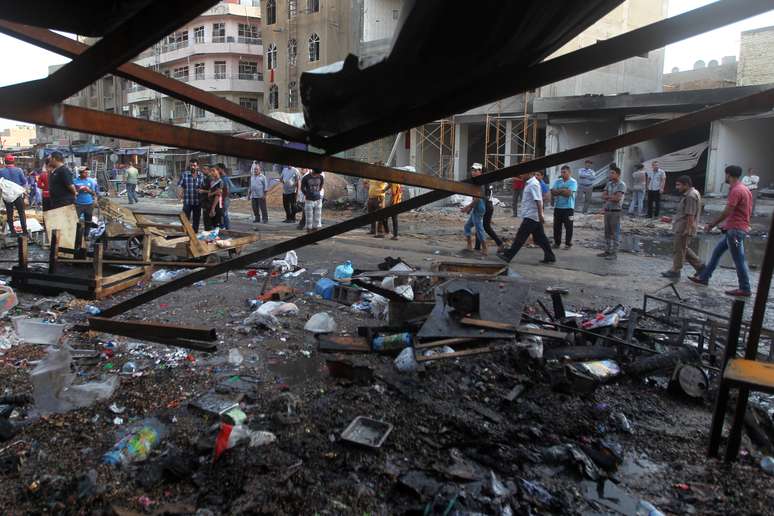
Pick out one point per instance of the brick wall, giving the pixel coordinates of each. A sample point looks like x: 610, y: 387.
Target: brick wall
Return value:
x: 756, y: 57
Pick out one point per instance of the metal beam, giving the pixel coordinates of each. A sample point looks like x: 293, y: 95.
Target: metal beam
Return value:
x: 145, y: 28
x: 759, y: 101
x: 62, y: 45
x: 109, y: 124
x: 155, y: 329
x: 513, y: 80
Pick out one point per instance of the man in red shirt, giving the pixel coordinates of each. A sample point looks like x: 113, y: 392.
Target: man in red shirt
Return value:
x: 518, y: 188
x: 42, y: 182
x: 735, y: 226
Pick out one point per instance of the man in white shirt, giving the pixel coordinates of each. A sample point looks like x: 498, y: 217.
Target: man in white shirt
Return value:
x: 751, y: 181
x: 531, y: 224
x: 656, y: 179
x: 586, y: 178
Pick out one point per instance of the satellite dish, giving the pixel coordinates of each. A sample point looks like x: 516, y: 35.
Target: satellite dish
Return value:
x: 114, y: 158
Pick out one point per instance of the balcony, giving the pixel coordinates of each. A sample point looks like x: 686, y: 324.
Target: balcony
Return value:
x: 242, y: 82
x: 218, y: 45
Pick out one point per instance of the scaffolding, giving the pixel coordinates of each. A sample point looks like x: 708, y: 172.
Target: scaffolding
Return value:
x: 435, y: 148
x: 509, y: 138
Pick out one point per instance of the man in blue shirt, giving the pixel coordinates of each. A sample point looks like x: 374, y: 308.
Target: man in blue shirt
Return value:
x: 13, y: 173
x: 87, y: 190
x: 563, y: 192
x: 188, y: 191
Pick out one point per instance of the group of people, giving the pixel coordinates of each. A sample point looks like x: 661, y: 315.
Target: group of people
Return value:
x: 381, y: 195
x: 205, y: 194
x: 302, y: 192
x: 734, y: 221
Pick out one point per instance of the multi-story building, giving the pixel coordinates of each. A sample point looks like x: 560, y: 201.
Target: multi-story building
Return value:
x: 19, y: 136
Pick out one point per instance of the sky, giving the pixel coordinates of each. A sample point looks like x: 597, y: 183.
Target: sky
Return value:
x: 27, y: 62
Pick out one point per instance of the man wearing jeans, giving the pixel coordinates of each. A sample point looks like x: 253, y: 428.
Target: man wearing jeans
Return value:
x: 531, y: 224
x: 735, y: 226
x: 563, y: 192
x: 188, y: 191
x: 637, y: 205
x: 131, y: 176
x: 586, y: 178
x: 613, y: 201
x: 656, y: 179
x: 290, y: 178
x: 311, y: 187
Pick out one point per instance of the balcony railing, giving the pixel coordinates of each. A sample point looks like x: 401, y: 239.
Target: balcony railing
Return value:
x: 249, y: 40
x: 134, y: 88
x: 169, y: 47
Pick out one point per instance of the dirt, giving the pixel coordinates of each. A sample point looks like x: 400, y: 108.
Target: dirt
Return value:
x: 457, y: 444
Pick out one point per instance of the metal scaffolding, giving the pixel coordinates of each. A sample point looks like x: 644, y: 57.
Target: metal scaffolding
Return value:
x: 435, y: 148
x: 509, y: 138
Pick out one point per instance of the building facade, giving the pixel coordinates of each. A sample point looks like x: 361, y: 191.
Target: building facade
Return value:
x: 756, y: 57
x: 19, y: 136
x: 703, y: 76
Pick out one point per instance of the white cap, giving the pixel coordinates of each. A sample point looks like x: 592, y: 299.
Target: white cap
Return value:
x: 477, y: 166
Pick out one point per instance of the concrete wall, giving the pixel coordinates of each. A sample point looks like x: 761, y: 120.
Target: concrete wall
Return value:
x: 560, y: 137
x: 380, y: 19
x: 720, y: 76
x: 756, y: 57
x: 746, y: 143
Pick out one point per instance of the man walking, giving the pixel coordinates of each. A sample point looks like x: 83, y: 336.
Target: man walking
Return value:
x: 656, y: 180
x: 131, y: 176
x: 60, y: 182
x: 84, y: 200
x: 311, y: 186
x: 563, y: 192
x: 188, y: 191
x: 376, y: 192
x: 16, y: 175
x: 735, y: 225
x: 257, y: 196
x: 612, y: 199
x: 685, y: 226
x: 637, y: 204
x: 476, y: 170
x: 43, y: 184
x: 290, y: 178
x: 586, y: 178
x: 531, y: 224
x: 518, y: 188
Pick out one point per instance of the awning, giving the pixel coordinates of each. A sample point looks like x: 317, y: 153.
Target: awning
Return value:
x: 681, y: 160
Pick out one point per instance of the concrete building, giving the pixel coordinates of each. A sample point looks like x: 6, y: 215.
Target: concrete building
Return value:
x: 756, y: 57
x: 703, y: 76
x: 19, y: 136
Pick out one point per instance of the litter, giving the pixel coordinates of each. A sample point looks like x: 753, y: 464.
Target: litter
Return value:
x: 235, y: 357
x: 406, y: 362
x: 321, y: 322
x: 367, y: 432
x: 343, y: 272
x: 164, y: 275
x: 277, y: 308
x: 8, y: 300
x: 137, y: 443
x: 37, y: 331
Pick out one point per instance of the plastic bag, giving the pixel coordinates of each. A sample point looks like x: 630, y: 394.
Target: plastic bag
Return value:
x: 231, y: 435
x: 11, y: 191
x: 235, y: 357
x: 7, y: 300
x: 276, y: 308
x: 321, y: 322
x: 291, y: 258
x: 52, y: 385
x: 262, y: 319
x: 281, y: 265
x: 137, y: 443
x: 406, y: 362
x: 380, y: 307
x: 164, y: 275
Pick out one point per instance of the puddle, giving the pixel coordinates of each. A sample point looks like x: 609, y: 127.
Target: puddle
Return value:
x: 703, y: 245
x: 295, y: 371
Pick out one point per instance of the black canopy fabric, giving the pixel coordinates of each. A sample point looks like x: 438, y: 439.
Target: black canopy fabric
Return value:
x: 443, y: 49
x: 78, y: 17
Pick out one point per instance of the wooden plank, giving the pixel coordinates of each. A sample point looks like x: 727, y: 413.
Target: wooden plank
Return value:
x: 53, y: 251
x: 444, y: 342
x: 489, y: 325
x: 194, y: 245
x: 134, y: 328
x: 54, y: 278
x: 119, y: 276
x: 23, y: 248
x: 456, y: 354
x: 65, y: 219
x: 98, y: 254
x: 166, y: 227
x: 108, y: 291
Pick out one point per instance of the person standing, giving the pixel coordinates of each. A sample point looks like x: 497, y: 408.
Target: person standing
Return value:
x: 290, y: 178
x: 564, y: 190
x: 656, y: 180
x: 131, y: 176
x: 311, y: 186
x: 376, y: 192
x: 517, y: 185
x: 60, y: 182
x: 612, y: 198
x: 87, y: 190
x: 734, y: 222
x: 396, y: 197
x: 586, y: 178
x: 188, y: 191
x: 32, y: 185
x: 215, y: 194
x: 476, y: 208
x: 228, y: 187
x: 42, y: 180
x: 257, y: 195
x: 476, y: 170
x: 751, y: 181
x: 685, y: 226
x: 16, y: 175
x: 531, y: 224
x: 637, y: 205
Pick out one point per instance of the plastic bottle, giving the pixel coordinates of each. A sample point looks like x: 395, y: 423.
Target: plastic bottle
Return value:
x: 343, y: 271
x: 647, y: 509
x: 767, y: 465
x: 92, y: 310
x: 137, y: 444
x: 391, y: 342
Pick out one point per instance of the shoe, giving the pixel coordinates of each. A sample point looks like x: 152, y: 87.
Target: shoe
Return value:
x: 556, y: 246
x: 379, y: 236
x: 738, y: 293
x: 567, y: 247
x: 671, y: 274
x: 698, y: 280
x: 611, y: 256
x: 256, y: 221
x: 394, y: 238
x: 547, y: 260
x: 700, y: 270
x: 504, y: 257
x: 603, y: 254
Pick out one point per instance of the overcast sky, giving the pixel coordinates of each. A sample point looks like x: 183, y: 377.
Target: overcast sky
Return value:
x: 23, y: 62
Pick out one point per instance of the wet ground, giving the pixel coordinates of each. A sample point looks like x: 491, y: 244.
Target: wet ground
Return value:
x: 458, y: 443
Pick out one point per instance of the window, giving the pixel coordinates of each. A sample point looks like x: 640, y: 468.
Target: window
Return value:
x: 292, y: 8
x: 271, y: 12
x: 199, y: 71
x: 249, y: 103
x: 181, y: 74
x: 292, y: 52
x: 167, y: 73
x: 175, y: 41
x: 248, y: 70
x: 248, y: 34
x: 313, y: 6
x: 218, y: 32
x: 198, y: 34
x: 144, y: 112
x: 199, y: 112
x: 273, y: 97
x: 179, y: 110
x: 395, y: 14
x: 271, y: 57
x: 92, y: 90
x: 292, y: 95
x: 314, y: 48
x: 220, y: 69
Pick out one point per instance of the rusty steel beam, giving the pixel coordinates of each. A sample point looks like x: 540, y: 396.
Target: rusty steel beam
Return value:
x: 140, y: 329
x: 62, y: 45
x: 109, y: 124
x: 511, y: 81
x: 762, y: 101
x: 143, y: 29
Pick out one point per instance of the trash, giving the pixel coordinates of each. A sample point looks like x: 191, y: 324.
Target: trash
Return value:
x: 367, y: 432
x: 231, y: 435
x: 380, y: 307
x: 601, y: 370
x: 324, y: 288
x: 116, y: 409
x: 118, y: 421
x: 258, y: 318
x: 281, y: 266
x: 438, y: 351
x: 622, y: 422
x: 321, y: 322
x: 164, y: 275
x: 277, y: 308
x: 647, y: 509
x: 214, y: 404
x: 7, y: 429
x: 7, y: 299
x: 235, y: 416
x: 137, y: 443
x: 392, y: 342
x: 37, y: 331
x: 767, y: 465
x: 689, y: 380
x: 496, y: 487
x: 52, y: 385
x: 532, y: 344
x: 343, y: 272
x: 291, y: 258
x: 92, y: 310
x: 235, y: 357
x: 406, y: 362
x: 538, y: 494
x: 602, y: 321
x: 129, y: 368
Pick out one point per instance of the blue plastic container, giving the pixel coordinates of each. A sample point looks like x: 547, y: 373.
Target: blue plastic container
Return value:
x: 324, y: 288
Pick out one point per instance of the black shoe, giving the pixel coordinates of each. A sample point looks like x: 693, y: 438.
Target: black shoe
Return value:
x: 504, y: 257
x: 548, y: 260
x: 698, y: 280
x: 567, y: 247
x: 671, y: 274
x: 256, y: 221
x: 556, y: 246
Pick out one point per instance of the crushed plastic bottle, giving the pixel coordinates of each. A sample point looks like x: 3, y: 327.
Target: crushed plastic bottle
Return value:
x: 137, y: 443
x: 344, y: 271
x: 392, y: 342
x: 647, y: 509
